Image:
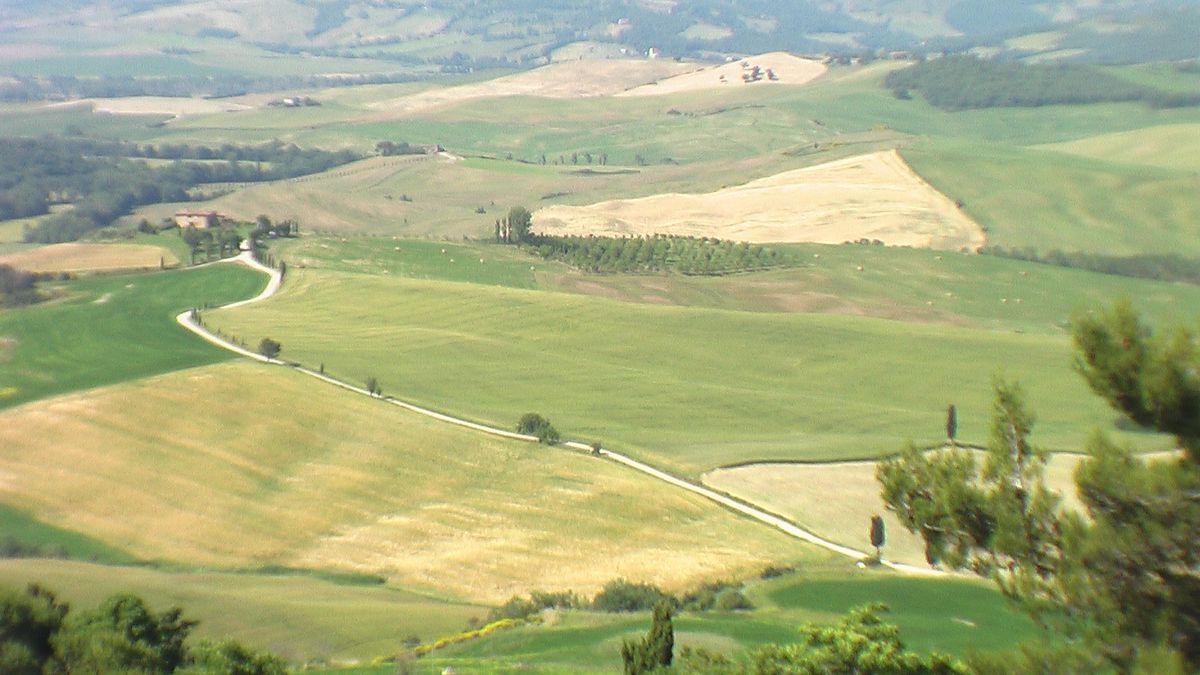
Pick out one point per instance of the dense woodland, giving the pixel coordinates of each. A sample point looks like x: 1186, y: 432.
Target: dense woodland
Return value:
x: 966, y: 82
x: 103, y: 180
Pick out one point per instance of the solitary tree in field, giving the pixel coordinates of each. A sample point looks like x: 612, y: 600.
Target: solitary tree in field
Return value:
x: 654, y: 651
x: 373, y: 387
x: 878, y: 535
x: 951, y: 423
x: 269, y: 348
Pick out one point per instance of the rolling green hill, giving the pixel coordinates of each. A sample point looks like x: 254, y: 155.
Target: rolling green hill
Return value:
x: 104, y: 330
x: 128, y: 440
x: 689, y: 388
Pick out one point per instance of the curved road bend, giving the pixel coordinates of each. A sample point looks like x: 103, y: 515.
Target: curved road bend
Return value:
x: 185, y: 319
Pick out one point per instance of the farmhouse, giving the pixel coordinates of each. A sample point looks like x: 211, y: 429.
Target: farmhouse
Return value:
x: 196, y: 218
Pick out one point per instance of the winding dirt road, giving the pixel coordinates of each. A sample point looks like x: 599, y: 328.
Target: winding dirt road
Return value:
x: 186, y: 320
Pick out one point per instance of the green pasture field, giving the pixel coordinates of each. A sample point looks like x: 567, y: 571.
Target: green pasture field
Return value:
x: 77, y: 119
x: 946, y: 615
x: 301, y: 618
x: 1175, y: 146
x: 95, y: 65
x: 689, y: 388
x: 913, y: 285
x: 416, y: 259
x: 109, y: 329
x: 853, y: 99
x: 1049, y: 200
x: 12, y: 232
x: 168, y: 239
x: 19, y: 527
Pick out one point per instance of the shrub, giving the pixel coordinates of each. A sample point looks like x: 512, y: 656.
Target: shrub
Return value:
x: 521, y: 608
x: 773, y: 571
x: 621, y: 595
x: 536, y: 425
x: 733, y: 600
x: 269, y: 348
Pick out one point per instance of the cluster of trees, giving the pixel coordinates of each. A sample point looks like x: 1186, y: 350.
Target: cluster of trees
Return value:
x: 102, y: 184
x: 18, y: 287
x: 514, y: 228
x: 658, y: 253
x: 263, y: 227
x: 620, y: 596
x: 1149, y: 266
x: 966, y: 82
x: 221, y: 242
x: 391, y: 148
x: 41, y: 634
x: 1120, y: 582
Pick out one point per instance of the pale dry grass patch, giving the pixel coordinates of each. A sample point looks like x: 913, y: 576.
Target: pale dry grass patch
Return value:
x: 74, y: 257
x: 787, y: 69
x: 565, y: 80
x: 837, y: 500
x: 238, y: 464
x: 874, y: 196
x: 162, y: 105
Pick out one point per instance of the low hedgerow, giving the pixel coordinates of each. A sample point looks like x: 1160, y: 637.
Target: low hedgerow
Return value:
x: 518, y: 607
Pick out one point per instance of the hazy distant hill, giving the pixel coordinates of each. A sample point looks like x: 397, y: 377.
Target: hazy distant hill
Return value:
x: 520, y: 32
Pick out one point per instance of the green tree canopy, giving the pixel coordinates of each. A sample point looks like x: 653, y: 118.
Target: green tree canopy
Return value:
x: 654, y: 651
x: 519, y: 221
x: 1125, y: 577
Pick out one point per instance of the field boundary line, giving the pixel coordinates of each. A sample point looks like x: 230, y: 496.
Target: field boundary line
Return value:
x: 188, y: 321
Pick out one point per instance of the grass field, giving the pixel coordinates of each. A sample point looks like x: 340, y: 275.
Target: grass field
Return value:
x: 443, y: 197
x: 244, y: 465
x: 951, y: 616
x: 301, y: 618
x: 838, y: 500
x: 701, y: 142
x: 182, y: 460
x: 1051, y: 200
x: 20, y: 528
x: 76, y: 257
x: 902, y: 284
x: 112, y: 329
x: 895, y: 282
x: 417, y: 259
x: 689, y: 388
x: 1174, y: 146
